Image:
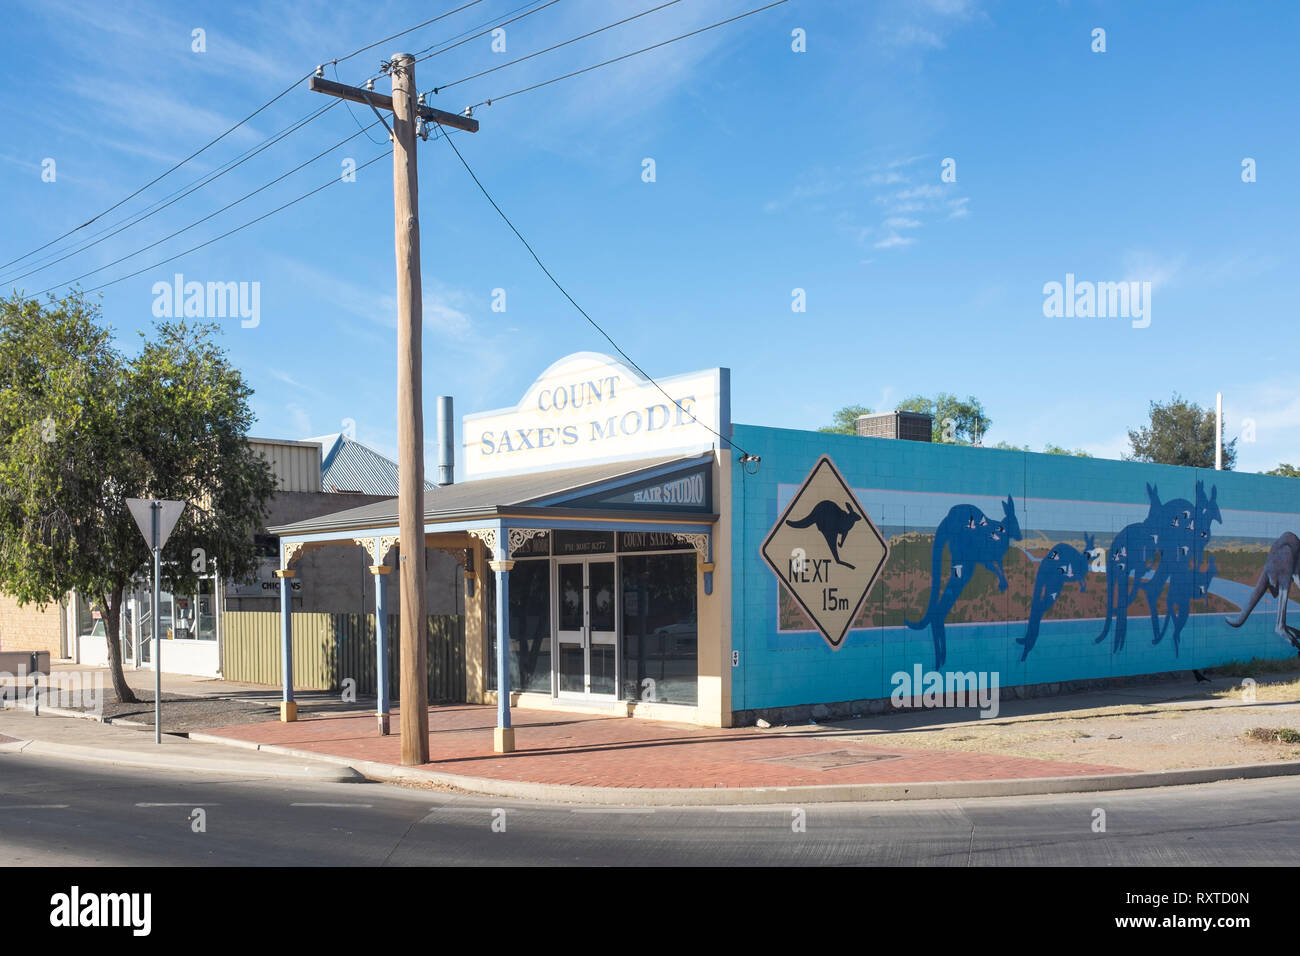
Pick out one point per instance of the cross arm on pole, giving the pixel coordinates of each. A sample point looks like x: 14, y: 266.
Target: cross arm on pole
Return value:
x: 369, y: 98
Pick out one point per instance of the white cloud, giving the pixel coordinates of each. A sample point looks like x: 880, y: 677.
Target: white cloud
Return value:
x: 962, y: 9
x: 1273, y: 408
x: 301, y: 420
x: 909, y: 34
x: 441, y: 317
x: 1143, y: 266
x: 927, y: 191
x: 893, y: 240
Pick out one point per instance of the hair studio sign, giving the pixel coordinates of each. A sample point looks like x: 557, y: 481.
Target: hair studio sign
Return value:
x: 589, y: 408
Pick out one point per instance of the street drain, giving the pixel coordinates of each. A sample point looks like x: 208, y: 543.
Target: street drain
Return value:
x: 830, y: 759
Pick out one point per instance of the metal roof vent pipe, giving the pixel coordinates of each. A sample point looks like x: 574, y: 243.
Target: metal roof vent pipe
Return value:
x: 446, y: 442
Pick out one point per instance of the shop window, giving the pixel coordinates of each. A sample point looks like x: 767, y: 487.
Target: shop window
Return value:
x: 660, y: 628
x: 530, y: 627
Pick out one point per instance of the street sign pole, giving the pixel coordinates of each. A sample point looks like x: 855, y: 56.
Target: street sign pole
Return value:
x: 156, y: 510
x: 156, y: 519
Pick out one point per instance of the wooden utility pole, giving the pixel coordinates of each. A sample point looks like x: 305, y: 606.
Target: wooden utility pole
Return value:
x: 410, y: 402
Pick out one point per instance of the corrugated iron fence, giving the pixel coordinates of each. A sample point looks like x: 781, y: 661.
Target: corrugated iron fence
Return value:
x: 329, y: 648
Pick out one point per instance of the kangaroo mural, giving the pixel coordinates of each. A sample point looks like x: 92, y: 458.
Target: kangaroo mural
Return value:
x: 1059, y: 567
x: 971, y: 539
x: 1280, y: 568
x: 833, y: 522
x: 1131, y: 553
x: 1187, y: 584
x: 1185, y: 532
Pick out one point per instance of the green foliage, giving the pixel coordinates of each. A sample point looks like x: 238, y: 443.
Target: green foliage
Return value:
x: 1285, y: 471
x: 82, y: 429
x: 845, y: 421
x: 954, y: 421
x: 189, y: 414
x: 1179, y: 433
x: 1050, y: 449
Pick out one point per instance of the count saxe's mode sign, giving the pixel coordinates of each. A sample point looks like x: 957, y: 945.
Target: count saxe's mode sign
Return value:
x: 826, y: 551
x: 597, y: 395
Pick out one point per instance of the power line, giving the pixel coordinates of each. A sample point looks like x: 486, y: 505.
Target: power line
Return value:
x: 159, y: 207
x: 588, y: 69
x: 210, y: 215
x: 371, y: 46
x: 223, y: 135
x: 452, y: 46
x: 166, y: 200
x: 378, y: 142
x: 163, y: 175
x: 581, y: 310
x: 531, y: 3
x: 231, y: 232
x: 447, y: 86
x: 490, y: 26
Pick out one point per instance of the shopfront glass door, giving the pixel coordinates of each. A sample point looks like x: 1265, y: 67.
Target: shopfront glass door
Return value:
x: 587, y: 631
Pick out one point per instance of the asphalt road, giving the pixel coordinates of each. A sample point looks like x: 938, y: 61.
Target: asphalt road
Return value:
x: 53, y: 812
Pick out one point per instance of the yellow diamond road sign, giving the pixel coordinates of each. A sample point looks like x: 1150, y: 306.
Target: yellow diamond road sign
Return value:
x: 826, y: 551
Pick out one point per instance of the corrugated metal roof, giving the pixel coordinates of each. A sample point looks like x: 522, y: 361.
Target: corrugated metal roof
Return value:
x: 349, y: 466
x: 487, y: 496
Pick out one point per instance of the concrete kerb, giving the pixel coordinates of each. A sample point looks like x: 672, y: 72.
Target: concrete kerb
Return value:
x: 57, y: 711
x: 330, y: 772
x: 822, y: 793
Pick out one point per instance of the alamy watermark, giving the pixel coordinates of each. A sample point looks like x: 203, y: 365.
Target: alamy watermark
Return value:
x: 1098, y: 300
x: 213, y: 300
x: 75, y: 690
x: 931, y: 689
x: 74, y: 908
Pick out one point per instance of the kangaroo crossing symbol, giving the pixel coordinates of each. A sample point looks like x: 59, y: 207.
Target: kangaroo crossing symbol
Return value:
x: 825, y: 551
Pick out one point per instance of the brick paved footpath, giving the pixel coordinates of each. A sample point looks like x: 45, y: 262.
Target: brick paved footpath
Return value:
x: 602, y: 751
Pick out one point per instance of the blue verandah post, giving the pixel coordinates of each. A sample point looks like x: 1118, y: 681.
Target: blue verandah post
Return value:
x: 288, y: 706
x: 504, y: 735
x: 382, y: 692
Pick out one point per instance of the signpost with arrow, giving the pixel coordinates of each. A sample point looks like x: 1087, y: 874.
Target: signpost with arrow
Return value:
x: 156, y: 519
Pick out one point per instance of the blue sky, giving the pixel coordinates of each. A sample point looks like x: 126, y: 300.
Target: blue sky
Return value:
x: 775, y: 170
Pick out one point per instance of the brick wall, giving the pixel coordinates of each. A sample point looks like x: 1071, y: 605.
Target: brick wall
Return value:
x: 30, y: 628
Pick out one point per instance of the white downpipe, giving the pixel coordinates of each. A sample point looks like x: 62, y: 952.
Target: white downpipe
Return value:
x: 1218, y: 431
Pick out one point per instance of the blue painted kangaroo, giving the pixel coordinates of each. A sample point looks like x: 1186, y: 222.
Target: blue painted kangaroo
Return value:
x: 1188, y: 583
x: 1185, y: 532
x: 971, y: 538
x: 1059, y: 567
x: 1131, y: 553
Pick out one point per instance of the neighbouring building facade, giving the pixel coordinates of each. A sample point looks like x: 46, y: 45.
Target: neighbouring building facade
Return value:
x: 34, y: 627
x: 642, y: 555
x: 314, y: 477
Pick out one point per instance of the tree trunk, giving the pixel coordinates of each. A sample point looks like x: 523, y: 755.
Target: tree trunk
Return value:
x: 112, y: 617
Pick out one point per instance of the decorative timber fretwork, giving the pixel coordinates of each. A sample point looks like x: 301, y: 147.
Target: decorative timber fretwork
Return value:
x: 520, y: 537
x: 293, y: 550
x: 377, y: 546
x: 459, y: 555
x: 697, y: 540
x: 489, y: 538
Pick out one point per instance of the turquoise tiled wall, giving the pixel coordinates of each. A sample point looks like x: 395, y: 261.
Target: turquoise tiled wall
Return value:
x: 916, y: 482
